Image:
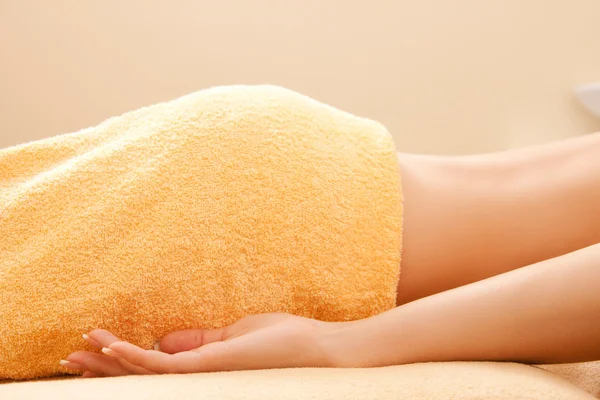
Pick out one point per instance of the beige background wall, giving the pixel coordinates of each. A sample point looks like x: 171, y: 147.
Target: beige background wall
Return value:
x: 445, y: 76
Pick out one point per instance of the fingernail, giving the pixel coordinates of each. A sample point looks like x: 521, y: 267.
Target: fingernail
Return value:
x: 91, y: 341
x: 71, y: 364
x: 110, y: 352
x: 157, y: 345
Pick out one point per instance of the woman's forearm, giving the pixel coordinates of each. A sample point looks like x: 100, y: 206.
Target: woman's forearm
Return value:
x: 548, y: 312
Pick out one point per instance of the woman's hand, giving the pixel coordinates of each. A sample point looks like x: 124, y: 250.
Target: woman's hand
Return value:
x: 254, y: 342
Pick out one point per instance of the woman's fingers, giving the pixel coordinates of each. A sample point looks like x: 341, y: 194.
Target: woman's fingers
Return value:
x: 159, y: 362
x: 104, y: 339
x: 189, y: 339
x: 262, y: 341
x: 72, y: 365
x: 230, y: 355
x: 97, y: 363
x: 100, y: 338
x: 88, y: 374
x: 91, y: 341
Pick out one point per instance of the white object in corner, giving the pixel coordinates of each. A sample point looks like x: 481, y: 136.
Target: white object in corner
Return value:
x: 589, y: 95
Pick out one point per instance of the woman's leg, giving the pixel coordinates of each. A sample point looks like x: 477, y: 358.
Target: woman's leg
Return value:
x: 471, y: 217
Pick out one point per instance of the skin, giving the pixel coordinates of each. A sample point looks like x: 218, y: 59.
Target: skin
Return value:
x: 514, y: 277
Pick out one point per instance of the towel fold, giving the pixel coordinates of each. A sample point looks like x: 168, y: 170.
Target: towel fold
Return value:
x: 192, y: 214
x: 586, y: 375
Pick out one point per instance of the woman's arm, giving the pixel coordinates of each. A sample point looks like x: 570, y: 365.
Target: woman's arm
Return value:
x: 544, y: 313
x: 548, y: 312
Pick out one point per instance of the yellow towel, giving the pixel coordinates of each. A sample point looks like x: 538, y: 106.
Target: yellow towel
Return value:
x: 194, y: 213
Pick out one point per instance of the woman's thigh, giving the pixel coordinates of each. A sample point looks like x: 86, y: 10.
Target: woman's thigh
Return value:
x: 467, y: 218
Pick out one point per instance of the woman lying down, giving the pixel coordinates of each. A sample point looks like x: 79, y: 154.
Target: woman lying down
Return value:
x: 251, y: 227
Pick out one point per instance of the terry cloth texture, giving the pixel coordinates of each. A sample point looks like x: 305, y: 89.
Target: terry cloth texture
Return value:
x: 428, y: 381
x: 194, y: 213
x: 586, y: 375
